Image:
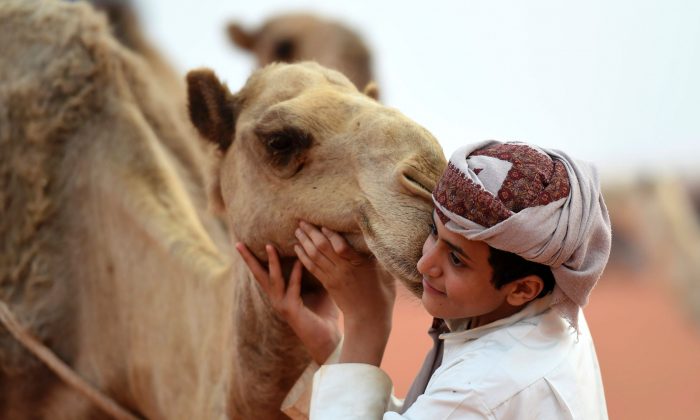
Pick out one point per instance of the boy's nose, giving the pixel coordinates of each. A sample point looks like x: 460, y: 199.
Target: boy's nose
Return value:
x: 428, y: 263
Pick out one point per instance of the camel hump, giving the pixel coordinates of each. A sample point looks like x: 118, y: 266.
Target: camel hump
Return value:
x: 47, y: 91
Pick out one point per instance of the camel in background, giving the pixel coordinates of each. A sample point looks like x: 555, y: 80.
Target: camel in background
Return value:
x: 656, y: 229
x: 110, y: 255
x: 287, y: 38
x: 297, y: 37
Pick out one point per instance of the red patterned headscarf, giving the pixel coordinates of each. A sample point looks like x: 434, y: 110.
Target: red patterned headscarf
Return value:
x: 536, y: 203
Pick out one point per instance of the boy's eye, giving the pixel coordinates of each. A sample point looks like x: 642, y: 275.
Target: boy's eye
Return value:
x: 454, y: 259
x: 433, y: 229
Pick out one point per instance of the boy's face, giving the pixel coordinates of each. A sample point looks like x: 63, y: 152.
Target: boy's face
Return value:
x: 457, y: 278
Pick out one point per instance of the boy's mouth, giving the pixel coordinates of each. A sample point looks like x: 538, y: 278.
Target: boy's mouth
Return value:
x: 430, y: 288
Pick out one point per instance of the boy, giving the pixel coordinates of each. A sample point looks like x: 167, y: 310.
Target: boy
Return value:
x: 520, y: 237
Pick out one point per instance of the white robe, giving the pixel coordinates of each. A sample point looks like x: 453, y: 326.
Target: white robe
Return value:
x: 531, y: 365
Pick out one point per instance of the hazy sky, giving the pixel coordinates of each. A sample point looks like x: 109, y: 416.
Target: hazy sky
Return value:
x: 616, y: 82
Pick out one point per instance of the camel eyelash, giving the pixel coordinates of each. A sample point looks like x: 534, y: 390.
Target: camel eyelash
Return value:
x: 285, y: 142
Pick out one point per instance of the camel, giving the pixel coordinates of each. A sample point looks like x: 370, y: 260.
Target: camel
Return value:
x: 111, y: 255
x: 657, y: 230
x: 298, y: 37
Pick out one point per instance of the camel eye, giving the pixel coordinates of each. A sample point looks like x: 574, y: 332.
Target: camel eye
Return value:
x: 286, y: 142
x: 284, y: 50
x: 280, y: 143
x: 285, y: 149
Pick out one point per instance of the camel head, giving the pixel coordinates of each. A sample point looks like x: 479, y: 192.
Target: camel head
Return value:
x: 299, y: 141
x: 298, y: 37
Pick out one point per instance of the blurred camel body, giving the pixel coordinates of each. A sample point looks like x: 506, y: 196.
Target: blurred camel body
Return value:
x: 300, y: 37
x: 656, y: 229
x: 109, y: 253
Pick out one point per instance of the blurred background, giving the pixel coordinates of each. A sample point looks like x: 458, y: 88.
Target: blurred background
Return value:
x: 612, y: 82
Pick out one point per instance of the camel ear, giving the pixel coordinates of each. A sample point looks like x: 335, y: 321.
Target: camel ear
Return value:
x: 244, y: 39
x: 216, y: 197
x: 372, y: 90
x: 212, y: 107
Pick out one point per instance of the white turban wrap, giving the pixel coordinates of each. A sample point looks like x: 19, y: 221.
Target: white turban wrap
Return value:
x: 539, y: 204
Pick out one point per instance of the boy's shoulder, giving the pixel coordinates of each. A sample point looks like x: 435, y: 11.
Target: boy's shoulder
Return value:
x: 513, y: 358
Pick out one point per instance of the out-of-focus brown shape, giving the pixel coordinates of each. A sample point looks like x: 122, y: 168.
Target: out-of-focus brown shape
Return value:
x: 300, y: 37
x: 656, y: 228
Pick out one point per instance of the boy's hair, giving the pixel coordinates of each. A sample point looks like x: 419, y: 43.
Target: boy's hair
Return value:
x: 509, y: 267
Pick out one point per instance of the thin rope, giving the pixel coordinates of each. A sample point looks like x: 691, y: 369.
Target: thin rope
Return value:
x: 63, y: 371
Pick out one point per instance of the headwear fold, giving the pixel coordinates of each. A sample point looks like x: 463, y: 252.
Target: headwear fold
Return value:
x: 534, y: 202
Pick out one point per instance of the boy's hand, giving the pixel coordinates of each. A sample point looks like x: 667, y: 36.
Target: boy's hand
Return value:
x: 361, y: 290
x: 316, y: 326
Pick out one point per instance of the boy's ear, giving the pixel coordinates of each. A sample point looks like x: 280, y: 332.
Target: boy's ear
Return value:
x: 244, y: 39
x: 212, y: 107
x: 524, y: 290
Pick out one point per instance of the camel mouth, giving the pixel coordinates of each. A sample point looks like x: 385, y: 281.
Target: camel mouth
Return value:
x: 311, y: 286
x: 366, y: 242
x: 309, y: 283
x: 399, y: 264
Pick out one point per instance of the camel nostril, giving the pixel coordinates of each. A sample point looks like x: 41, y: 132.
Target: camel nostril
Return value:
x: 416, y: 186
x: 417, y: 183
x: 417, y: 176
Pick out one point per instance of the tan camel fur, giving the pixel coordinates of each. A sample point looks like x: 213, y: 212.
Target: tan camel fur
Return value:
x: 109, y: 254
x: 126, y: 27
x: 299, y: 37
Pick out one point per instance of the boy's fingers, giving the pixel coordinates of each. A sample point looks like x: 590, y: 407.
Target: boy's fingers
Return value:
x: 253, y: 265
x: 317, y: 237
x: 311, y: 250
x: 339, y: 244
x: 276, y: 279
x: 306, y: 261
x: 294, y: 289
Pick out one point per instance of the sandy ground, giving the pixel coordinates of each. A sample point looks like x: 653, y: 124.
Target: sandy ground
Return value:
x: 649, y: 351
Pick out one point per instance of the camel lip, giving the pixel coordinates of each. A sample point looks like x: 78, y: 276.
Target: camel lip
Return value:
x: 398, y: 267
